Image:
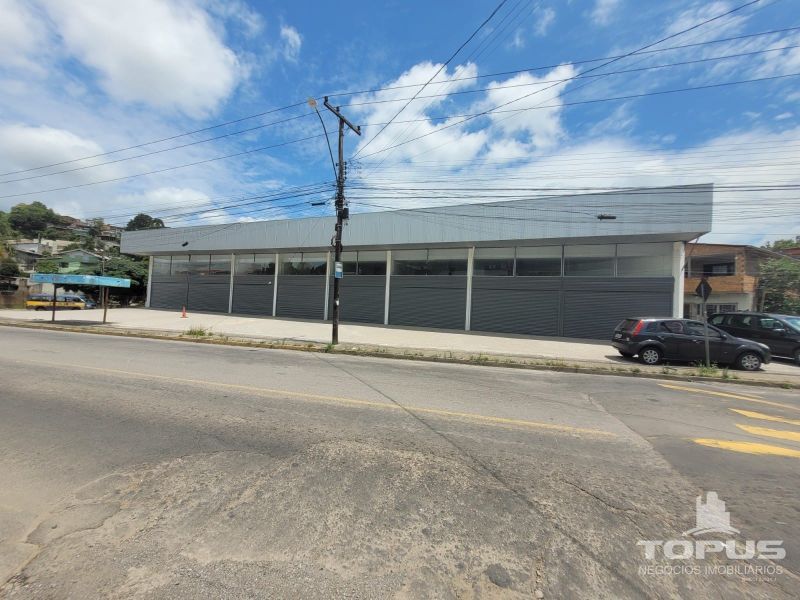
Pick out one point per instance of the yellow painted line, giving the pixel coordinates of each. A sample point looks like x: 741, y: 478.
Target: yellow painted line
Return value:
x: 748, y: 447
x: 757, y: 415
x: 789, y: 436
x: 727, y: 395
x: 490, y: 420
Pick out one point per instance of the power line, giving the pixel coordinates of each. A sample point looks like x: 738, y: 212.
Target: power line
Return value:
x: 439, y: 70
x: 633, y: 52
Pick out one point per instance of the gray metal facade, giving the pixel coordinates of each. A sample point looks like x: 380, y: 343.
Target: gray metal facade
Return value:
x: 609, y: 269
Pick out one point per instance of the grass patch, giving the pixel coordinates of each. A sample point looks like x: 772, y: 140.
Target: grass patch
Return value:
x: 197, y: 331
x: 702, y: 370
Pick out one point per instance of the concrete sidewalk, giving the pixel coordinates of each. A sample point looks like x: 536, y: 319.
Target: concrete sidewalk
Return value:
x: 317, y: 332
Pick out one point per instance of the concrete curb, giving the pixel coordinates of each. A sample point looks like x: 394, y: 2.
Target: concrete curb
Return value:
x: 421, y: 354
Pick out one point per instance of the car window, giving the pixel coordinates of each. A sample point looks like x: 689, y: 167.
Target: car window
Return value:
x: 769, y: 323
x: 719, y: 320
x: 741, y: 320
x: 793, y: 322
x: 672, y: 326
x: 697, y: 328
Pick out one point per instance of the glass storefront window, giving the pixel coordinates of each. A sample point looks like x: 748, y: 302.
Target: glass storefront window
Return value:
x: 162, y: 265
x: 493, y: 262
x: 430, y: 262
x: 589, y: 260
x: 304, y: 263
x: 198, y: 264
x: 220, y: 264
x: 255, y: 264
x: 180, y: 264
x: 371, y: 262
x: 350, y: 262
x: 644, y: 260
x: 539, y: 261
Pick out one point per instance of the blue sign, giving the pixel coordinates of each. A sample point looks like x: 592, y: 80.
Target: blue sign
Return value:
x: 338, y: 270
x: 98, y: 280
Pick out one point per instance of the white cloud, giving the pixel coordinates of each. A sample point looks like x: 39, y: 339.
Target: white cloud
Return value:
x: 164, y: 53
x: 603, y: 11
x: 542, y: 125
x: 292, y: 41
x: 783, y: 116
x: 545, y: 17
x: 21, y: 34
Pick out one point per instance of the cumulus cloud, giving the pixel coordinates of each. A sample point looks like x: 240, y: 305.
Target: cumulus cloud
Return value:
x: 603, y: 11
x: 292, y: 41
x: 164, y: 53
x: 542, y: 125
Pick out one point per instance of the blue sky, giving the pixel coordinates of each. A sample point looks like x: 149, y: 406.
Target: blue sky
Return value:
x: 89, y: 77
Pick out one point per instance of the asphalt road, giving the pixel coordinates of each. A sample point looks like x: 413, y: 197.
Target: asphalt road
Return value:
x: 132, y: 468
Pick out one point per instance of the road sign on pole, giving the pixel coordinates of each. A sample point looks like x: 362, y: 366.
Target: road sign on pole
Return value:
x: 703, y: 290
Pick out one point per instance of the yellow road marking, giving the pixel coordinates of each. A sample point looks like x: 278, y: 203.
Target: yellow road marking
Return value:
x: 789, y: 436
x: 727, y: 395
x: 748, y: 447
x: 763, y: 417
x: 501, y: 421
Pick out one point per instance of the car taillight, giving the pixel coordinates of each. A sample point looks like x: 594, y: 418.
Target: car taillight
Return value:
x: 638, y: 328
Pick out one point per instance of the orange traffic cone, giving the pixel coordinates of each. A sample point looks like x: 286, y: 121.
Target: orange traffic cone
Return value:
x: 183, y: 313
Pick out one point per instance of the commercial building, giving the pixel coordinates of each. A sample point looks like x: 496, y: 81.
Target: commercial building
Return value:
x: 569, y: 266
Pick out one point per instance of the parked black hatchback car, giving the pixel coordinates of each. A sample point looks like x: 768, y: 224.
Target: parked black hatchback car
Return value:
x: 657, y: 339
x: 780, y: 332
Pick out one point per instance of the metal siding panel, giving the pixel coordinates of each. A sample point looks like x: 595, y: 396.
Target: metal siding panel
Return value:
x: 168, y: 294
x: 676, y: 213
x: 253, y: 295
x: 362, y: 298
x: 428, y: 301
x: 301, y: 296
x: 596, y: 310
x: 525, y: 305
x: 208, y: 296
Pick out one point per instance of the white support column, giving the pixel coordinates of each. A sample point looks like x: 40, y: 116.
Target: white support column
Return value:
x: 470, y: 259
x: 387, y: 292
x: 678, y: 266
x: 230, y: 287
x: 327, y: 285
x: 149, y: 282
x: 275, y: 285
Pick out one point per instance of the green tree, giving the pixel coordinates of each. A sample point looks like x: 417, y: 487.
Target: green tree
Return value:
x: 47, y: 265
x: 9, y: 269
x: 6, y: 231
x: 144, y: 221
x: 32, y: 219
x: 125, y: 267
x: 780, y: 281
x: 782, y: 244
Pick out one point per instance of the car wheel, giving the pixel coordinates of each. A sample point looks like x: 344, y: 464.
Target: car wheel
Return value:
x: 650, y: 355
x: 749, y: 361
x: 625, y: 354
x: 797, y: 357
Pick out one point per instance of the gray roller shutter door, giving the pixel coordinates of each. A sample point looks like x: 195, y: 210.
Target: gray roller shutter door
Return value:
x: 526, y: 305
x: 428, y: 301
x: 253, y: 295
x: 209, y: 293
x: 362, y: 298
x: 593, y: 307
x: 168, y: 292
x: 301, y: 296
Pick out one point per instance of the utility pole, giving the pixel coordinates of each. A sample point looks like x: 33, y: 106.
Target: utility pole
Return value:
x: 342, y: 213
